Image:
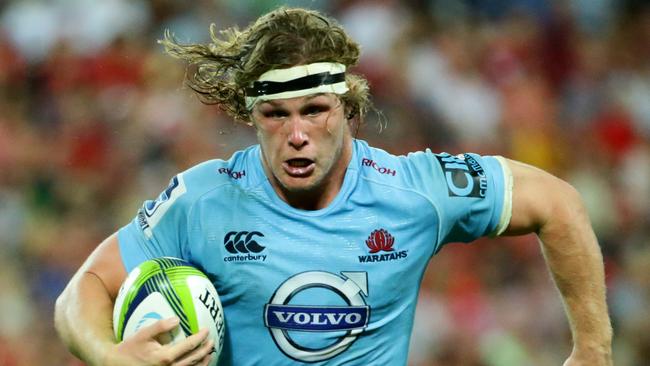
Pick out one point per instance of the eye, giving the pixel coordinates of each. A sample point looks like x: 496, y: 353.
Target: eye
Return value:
x: 275, y: 113
x: 314, y: 110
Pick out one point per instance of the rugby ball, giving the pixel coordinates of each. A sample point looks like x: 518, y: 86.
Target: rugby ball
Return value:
x: 165, y: 287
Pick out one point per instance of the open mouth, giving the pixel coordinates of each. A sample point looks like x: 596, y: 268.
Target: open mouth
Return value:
x: 299, y: 167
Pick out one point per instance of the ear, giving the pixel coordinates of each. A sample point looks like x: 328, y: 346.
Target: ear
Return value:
x: 349, y: 113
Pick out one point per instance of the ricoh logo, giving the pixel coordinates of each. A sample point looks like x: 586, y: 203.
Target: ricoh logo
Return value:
x: 244, y: 245
x: 232, y: 174
x: 381, y: 241
x: 281, y: 317
x: 382, y: 170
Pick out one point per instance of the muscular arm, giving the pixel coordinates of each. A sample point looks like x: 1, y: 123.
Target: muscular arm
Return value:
x: 84, y: 309
x: 554, y: 210
x: 83, y: 319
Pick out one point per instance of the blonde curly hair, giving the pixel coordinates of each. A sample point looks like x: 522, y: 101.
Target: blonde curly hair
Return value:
x: 221, y: 70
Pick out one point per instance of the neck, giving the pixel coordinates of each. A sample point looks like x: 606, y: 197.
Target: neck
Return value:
x: 314, y: 199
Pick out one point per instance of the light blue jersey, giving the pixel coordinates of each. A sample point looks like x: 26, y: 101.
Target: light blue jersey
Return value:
x: 336, y: 286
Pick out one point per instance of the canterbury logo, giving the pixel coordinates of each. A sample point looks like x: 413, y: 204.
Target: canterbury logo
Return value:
x: 242, y: 242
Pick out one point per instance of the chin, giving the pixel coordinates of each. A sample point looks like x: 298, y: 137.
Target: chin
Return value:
x: 299, y: 185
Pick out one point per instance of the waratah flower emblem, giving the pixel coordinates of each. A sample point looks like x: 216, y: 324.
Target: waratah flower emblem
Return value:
x: 379, y: 240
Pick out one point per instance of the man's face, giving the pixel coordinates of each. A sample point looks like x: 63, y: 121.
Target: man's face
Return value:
x: 305, y: 143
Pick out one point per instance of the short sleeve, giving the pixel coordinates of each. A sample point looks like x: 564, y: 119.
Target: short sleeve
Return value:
x: 472, y: 196
x: 159, y: 229
x: 472, y: 193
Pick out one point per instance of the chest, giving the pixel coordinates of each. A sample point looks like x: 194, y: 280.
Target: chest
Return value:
x: 315, y: 282
x: 252, y: 251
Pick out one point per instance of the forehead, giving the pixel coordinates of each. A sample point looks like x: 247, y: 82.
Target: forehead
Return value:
x: 328, y: 98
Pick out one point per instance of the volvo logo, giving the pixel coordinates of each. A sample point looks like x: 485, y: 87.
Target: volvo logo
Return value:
x: 281, y: 317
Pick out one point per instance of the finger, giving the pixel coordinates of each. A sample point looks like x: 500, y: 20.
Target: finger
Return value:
x: 199, y: 355
x: 206, y: 360
x: 159, y: 327
x: 188, y: 344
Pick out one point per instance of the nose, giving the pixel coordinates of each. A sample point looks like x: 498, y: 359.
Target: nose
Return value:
x: 298, y: 136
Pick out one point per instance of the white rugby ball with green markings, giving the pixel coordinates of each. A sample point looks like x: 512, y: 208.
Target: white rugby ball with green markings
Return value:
x: 165, y: 287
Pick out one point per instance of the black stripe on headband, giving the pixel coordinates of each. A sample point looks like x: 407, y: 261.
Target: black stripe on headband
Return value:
x: 306, y: 82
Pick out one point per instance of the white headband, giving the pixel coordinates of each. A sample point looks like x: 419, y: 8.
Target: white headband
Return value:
x: 297, y: 81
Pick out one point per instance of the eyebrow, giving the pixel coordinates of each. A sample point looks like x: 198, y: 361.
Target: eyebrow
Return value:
x: 312, y: 96
x: 276, y: 104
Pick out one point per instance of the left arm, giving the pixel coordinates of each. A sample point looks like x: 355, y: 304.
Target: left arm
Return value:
x: 553, y: 209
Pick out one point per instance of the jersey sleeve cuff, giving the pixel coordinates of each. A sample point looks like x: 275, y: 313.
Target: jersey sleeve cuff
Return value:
x: 506, y: 211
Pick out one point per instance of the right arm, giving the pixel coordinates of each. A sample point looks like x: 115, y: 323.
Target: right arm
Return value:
x: 83, y: 319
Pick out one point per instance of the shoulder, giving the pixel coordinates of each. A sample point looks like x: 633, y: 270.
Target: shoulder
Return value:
x: 238, y: 171
x: 462, y: 174
x: 376, y: 164
x: 189, y: 186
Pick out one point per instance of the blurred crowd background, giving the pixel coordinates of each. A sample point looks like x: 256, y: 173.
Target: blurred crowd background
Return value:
x: 94, y: 119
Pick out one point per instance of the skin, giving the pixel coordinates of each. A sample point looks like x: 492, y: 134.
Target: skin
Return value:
x: 315, y: 129
x: 312, y: 128
x: 554, y: 210
x: 83, y: 318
